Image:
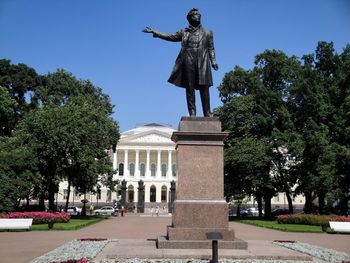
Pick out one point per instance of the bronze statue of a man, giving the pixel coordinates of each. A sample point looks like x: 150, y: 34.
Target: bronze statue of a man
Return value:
x: 192, y: 68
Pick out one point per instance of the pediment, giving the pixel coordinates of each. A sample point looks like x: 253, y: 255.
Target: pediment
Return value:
x: 149, y: 137
x: 152, y: 138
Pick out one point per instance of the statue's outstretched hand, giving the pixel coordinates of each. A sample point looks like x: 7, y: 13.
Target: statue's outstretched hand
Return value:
x: 148, y: 30
x: 215, y: 67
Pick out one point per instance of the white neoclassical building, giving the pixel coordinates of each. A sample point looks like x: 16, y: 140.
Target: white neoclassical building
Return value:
x: 144, y: 153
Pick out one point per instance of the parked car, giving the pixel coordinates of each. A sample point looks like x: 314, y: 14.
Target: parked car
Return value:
x: 250, y: 212
x: 243, y: 212
x: 230, y: 212
x: 74, y: 210
x: 279, y: 211
x: 105, y: 210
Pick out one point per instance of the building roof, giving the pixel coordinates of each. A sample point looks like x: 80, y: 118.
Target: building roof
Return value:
x: 148, y: 127
x: 148, y: 134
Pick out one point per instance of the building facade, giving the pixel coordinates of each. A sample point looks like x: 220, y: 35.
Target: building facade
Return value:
x: 144, y: 153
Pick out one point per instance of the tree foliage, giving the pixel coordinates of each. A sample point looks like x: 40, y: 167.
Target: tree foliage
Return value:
x: 66, y: 136
x: 288, y: 120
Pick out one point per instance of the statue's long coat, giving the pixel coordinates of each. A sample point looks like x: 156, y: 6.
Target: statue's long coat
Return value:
x: 185, y: 62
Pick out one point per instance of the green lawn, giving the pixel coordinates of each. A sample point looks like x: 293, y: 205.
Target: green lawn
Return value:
x: 73, y: 224
x: 282, y: 227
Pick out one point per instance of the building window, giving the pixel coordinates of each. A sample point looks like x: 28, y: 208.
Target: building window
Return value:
x: 132, y: 169
x: 174, y: 169
x: 153, y: 169
x: 152, y: 196
x: 164, y: 169
x: 121, y: 169
x: 277, y: 198
x: 163, y: 195
x: 76, y: 193
x: 142, y: 169
x: 130, y: 193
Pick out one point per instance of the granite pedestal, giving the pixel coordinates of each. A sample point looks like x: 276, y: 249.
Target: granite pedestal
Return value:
x: 199, y: 207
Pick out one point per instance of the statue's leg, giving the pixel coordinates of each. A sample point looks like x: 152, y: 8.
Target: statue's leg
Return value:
x: 191, y: 100
x: 205, y: 97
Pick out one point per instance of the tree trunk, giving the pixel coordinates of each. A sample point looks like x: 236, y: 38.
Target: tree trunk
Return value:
x: 308, y: 203
x: 321, y: 203
x: 290, y: 201
x: 83, y: 212
x: 259, y: 201
x: 68, y: 195
x: 42, y: 201
x: 27, y: 201
x: 238, y: 213
x: 52, y: 189
x: 267, y: 199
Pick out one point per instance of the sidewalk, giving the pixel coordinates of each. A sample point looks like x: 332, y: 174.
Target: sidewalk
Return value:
x: 136, y: 234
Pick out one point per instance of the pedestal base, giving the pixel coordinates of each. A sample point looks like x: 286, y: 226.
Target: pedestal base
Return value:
x: 194, y: 219
x: 200, y: 212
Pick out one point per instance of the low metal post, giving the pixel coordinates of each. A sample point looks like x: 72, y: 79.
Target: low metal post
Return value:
x: 214, y: 248
x: 214, y: 237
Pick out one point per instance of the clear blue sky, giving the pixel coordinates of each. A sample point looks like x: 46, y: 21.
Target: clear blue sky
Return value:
x: 102, y: 41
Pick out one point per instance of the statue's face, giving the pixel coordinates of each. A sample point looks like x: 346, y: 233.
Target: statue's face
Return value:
x: 195, y: 16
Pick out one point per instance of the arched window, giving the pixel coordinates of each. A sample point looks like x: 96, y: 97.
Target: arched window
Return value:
x: 142, y: 169
x: 121, y: 169
x: 153, y: 169
x: 132, y: 169
x: 174, y: 169
x: 164, y: 167
x: 163, y: 195
x: 130, y: 193
x: 152, y: 194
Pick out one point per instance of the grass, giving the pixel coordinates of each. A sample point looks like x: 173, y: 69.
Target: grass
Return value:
x: 73, y: 224
x: 272, y: 224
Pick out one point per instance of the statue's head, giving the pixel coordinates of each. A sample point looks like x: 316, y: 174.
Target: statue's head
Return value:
x: 194, y: 17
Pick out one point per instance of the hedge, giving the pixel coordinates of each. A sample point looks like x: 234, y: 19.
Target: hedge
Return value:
x: 309, y: 219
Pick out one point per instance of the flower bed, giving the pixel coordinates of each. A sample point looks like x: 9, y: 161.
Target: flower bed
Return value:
x: 40, y: 217
x: 309, y: 219
x: 82, y: 260
x: 92, y: 239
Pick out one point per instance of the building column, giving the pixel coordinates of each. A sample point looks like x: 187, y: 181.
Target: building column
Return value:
x: 126, y: 163
x: 137, y: 168
x: 147, y: 174
x: 115, y: 158
x: 159, y: 164
x: 170, y: 163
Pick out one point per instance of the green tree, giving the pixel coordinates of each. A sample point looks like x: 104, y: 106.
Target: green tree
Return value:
x: 256, y: 114
x: 300, y: 109
x: 318, y: 105
x: 7, y: 112
x: 18, y: 173
x: 21, y: 82
x: 70, y: 142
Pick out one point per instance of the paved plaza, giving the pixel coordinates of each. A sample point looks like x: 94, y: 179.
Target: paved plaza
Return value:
x: 136, y: 236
